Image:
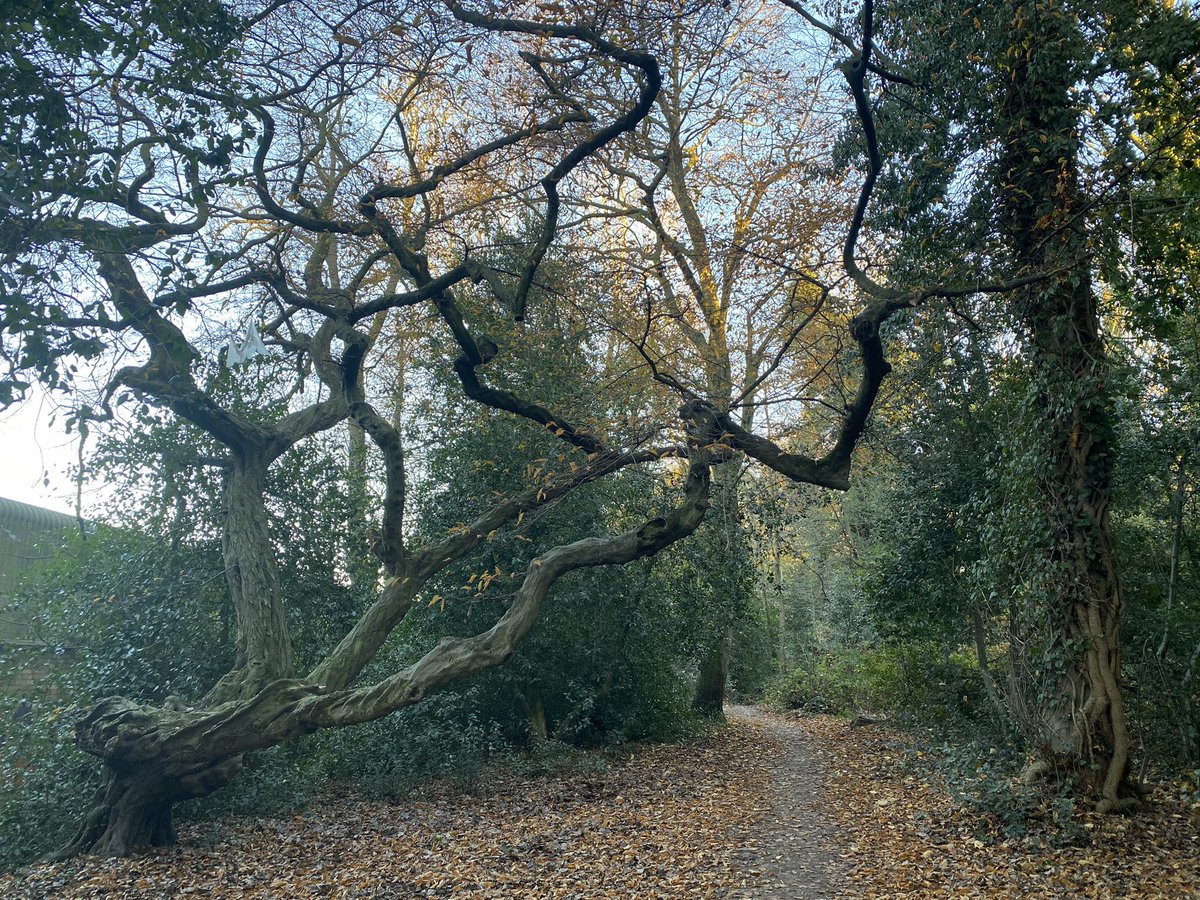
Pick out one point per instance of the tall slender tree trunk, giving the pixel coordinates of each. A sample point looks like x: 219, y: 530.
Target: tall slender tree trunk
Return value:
x: 359, y: 554
x: 713, y: 676
x: 979, y: 632
x: 363, y: 556
x: 1178, y: 501
x: 1076, y: 719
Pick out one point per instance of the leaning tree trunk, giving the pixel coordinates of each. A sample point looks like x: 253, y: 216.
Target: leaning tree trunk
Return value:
x: 155, y: 757
x: 1075, y: 719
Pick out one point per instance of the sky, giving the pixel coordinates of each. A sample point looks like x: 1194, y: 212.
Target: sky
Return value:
x: 33, y: 451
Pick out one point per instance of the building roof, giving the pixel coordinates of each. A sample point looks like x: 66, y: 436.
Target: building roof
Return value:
x: 28, y: 535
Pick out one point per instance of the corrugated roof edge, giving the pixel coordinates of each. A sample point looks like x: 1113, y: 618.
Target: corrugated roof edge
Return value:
x: 27, y: 514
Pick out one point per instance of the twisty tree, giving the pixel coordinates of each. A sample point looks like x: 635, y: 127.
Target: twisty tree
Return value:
x: 202, y: 173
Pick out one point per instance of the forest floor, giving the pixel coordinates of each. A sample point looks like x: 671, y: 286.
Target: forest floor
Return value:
x: 771, y: 807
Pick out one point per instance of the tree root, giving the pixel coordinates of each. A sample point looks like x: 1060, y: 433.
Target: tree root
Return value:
x: 1036, y: 769
x: 1109, y: 806
x: 87, y: 834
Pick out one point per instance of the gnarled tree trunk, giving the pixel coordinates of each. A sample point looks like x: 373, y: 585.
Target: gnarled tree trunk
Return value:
x: 148, y: 769
x: 1075, y: 718
x: 155, y: 757
x: 264, y: 645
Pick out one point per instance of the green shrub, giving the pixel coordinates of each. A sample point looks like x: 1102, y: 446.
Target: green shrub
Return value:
x: 44, y: 780
x: 913, y: 681
x: 753, y: 661
x: 444, y: 736
x: 829, y: 684
x: 977, y: 771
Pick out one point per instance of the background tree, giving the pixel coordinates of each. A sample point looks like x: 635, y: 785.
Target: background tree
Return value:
x: 722, y: 221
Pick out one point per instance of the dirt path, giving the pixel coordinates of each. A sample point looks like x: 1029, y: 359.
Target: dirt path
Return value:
x: 794, y: 851
x: 905, y: 836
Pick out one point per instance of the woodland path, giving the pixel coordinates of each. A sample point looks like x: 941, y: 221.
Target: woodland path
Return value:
x: 773, y: 806
x: 797, y: 850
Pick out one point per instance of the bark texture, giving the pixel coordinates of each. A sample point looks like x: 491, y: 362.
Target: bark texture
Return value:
x: 264, y: 647
x: 148, y: 770
x: 1077, y: 720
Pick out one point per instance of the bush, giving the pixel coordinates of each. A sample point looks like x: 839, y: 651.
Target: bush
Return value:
x: 829, y: 684
x: 754, y: 660
x: 977, y: 771
x: 444, y: 736
x: 913, y: 681
x: 121, y: 613
x: 44, y: 780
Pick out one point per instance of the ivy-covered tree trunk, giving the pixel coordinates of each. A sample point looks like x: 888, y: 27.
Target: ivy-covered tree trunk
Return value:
x: 1079, y: 723
x: 1071, y: 706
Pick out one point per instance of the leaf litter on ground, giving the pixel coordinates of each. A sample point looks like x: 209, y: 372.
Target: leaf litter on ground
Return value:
x: 717, y: 817
x: 906, y: 836
x: 663, y: 821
